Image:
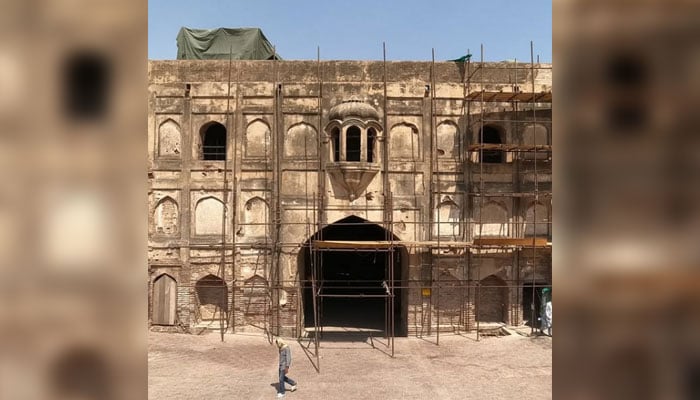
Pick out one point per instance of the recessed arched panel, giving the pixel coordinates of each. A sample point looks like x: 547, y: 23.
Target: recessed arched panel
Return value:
x: 257, y: 140
x: 256, y: 216
x: 448, y: 140
x: 539, y: 214
x: 301, y: 141
x: 535, y: 135
x: 169, y: 139
x: 208, y: 216
x: 447, y: 218
x: 256, y: 299
x: 166, y: 217
x: 164, y: 300
x: 494, y: 219
x: 405, y: 142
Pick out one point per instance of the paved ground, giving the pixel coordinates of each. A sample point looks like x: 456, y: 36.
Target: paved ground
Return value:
x: 245, y: 367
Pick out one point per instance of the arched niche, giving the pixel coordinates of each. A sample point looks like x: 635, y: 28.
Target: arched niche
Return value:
x: 447, y: 219
x: 534, y: 135
x: 494, y: 220
x: 256, y: 217
x: 448, y: 140
x: 256, y: 303
x: 257, y: 139
x: 405, y: 142
x: 169, y: 139
x: 208, y: 215
x: 301, y: 141
x: 166, y: 217
x: 537, y: 220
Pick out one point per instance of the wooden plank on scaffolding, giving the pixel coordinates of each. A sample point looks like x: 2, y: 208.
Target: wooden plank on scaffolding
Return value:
x: 385, y: 244
x: 526, y: 242
x: 351, y: 244
x: 506, y: 97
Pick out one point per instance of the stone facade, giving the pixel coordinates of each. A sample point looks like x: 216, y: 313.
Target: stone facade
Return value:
x: 308, y: 144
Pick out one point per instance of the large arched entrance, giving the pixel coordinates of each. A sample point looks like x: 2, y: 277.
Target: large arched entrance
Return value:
x: 349, y: 277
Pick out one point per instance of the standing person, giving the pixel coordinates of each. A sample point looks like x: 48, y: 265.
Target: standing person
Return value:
x: 285, y: 362
x: 546, y: 312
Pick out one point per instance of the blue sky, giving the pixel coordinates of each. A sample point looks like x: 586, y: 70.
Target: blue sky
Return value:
x: 355, y: 30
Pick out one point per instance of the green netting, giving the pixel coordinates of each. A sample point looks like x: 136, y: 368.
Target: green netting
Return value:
x: 216, y: 44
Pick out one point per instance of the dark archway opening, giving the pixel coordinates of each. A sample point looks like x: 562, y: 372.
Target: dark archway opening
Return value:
x: 214, y: 142
x: 492, y: 135
x: 212, y: 298
x: 356, y: 273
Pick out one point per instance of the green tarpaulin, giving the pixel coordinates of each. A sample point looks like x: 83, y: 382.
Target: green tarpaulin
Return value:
x: 462, y: 59
x: 215, y: 44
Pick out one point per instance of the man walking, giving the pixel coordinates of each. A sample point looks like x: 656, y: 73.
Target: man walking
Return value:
x: 285, y: 362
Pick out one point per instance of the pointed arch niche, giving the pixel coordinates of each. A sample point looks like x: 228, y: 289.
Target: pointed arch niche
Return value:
x: 447, y: 219
x: 169, y: 139
x: 256, y: 217
x: 301, y: 141
x: 207, y: 216
x: 166, y: 217
x: 448, y: 140
x: 494, y: 218
x: 537, y: 220
x: 405, y: 142
x: 257, y: 139
x: 535, y: 135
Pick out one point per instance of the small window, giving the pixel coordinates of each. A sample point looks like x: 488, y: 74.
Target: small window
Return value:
x: 491, y: 135
x: 214, y: 142
x: 335, y: 136
x: 371, y: 136
x: 353, y: 150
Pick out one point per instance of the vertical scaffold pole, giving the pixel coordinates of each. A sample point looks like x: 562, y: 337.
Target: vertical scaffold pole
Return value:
x: 481, y: 194
x: 534, y: 207
x: 434, y: 159
x: 223, y: 313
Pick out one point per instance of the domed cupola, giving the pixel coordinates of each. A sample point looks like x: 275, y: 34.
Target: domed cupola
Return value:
x: 353, y: 108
